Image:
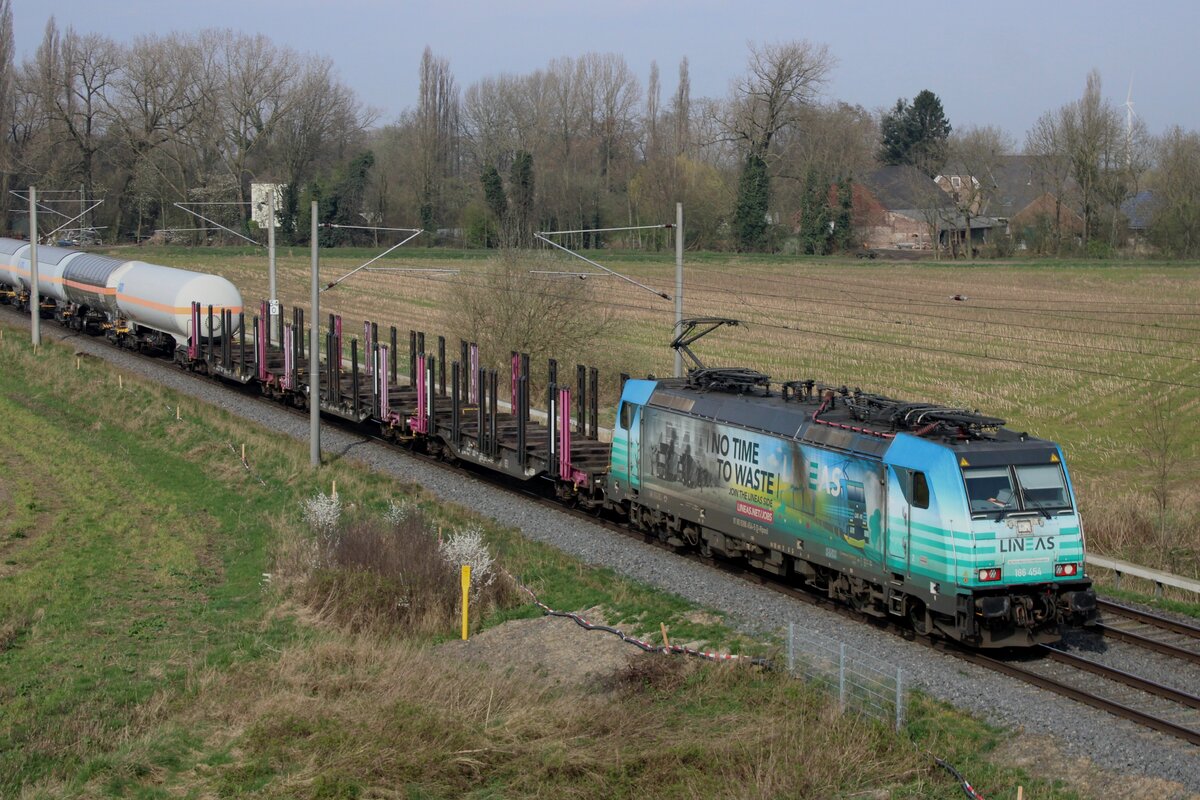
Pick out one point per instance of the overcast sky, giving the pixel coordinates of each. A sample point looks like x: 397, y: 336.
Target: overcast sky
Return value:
x: 991, y: 63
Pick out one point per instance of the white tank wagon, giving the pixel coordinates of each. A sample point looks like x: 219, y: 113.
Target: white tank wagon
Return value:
x: 11, y: 283
x: 134, y: 302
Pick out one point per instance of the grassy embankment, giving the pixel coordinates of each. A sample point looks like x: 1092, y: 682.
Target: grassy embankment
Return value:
x: 143, y: 655
x: 1089, y: 354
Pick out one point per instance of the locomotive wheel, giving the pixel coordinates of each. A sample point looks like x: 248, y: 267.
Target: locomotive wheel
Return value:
x: 916, y: 617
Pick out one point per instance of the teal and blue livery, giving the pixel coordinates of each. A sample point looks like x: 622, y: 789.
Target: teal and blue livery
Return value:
x: 938, y: 515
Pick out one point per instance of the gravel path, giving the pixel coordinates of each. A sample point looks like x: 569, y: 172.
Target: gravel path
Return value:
x: 1113, y: 744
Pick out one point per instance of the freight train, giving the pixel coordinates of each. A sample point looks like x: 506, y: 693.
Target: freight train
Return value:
x: 939, y: 516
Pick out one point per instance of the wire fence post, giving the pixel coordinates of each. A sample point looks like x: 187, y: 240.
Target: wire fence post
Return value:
x: 791, y: 648
x: 899, y: 698
x: 842, y: 675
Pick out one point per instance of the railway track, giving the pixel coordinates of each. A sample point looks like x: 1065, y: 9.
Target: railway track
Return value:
x: 1149, y: 631
x: 1161, y: 708
x: 1147, y: 703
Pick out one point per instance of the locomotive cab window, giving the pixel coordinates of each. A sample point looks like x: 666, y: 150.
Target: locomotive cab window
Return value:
x: 626, y: 415
x: 920, y: 490
x: 1042, y: 487
x: 915, y: 487
x: 990, y: 489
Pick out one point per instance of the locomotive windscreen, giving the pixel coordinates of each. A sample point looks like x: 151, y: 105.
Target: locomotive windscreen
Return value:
x: 1005, y: 489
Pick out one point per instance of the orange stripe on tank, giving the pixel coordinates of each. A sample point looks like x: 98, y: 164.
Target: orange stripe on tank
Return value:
x: 87, y: 287
x: 124, y: 298
x: 138, y: 301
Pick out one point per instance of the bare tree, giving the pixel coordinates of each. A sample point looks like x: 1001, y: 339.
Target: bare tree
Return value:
x: 1047, y: 142
x: 653, y: 95
x: 1175, y: 225
x: 1125, y: 165
x: 833, y: 140
x: 155, y: 98
x: 682, y: 110
x: 565, y: 194
x: 780, y: 81
x: 1161, y: 447
x: 437, y: 133
x: 615, y: 95
x: 321, y: 120
x: 253, y: 79
x: 505, y: 308
x: 489, y: 117
x: 975, y: 154
x: 1092, y: 133
x: 74, y: 73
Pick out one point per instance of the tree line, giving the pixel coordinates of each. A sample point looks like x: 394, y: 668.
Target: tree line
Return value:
x: 582, y: 143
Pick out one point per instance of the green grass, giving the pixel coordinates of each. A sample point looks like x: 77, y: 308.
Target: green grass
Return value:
x: 142, y: 657
x: 135, y: 570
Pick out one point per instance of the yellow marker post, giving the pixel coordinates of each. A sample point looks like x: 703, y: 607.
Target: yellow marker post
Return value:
x: 466, y: 590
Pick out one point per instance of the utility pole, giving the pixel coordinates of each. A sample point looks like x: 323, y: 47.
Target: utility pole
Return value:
x: 314, y: 355
x: 271, y: 262
x: 35, y: 297
x: 678, y: 283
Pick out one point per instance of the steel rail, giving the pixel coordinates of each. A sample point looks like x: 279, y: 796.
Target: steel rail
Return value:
x: 1145, y: 642
x: 1174, y: 626
x: 1122, y: 677
x: 1066, y: 690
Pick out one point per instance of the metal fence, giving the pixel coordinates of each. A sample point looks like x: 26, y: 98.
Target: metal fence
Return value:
x: 863, y: 683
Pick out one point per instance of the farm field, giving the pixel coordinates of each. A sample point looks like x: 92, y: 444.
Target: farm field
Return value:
x: 144, y: 653
x: 1102, y: 357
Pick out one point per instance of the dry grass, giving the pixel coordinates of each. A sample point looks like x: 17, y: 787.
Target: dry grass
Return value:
x: 363, y: 717
x: 1131, y: 524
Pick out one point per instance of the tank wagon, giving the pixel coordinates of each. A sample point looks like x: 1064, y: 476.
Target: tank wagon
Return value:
x: 137, y: 305
x: 940, y: 516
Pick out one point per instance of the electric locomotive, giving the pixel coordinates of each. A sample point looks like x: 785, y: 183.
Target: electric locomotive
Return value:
x: 939, y: 515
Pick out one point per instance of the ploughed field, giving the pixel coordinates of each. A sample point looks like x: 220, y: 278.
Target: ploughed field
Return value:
x: 1085, y: 353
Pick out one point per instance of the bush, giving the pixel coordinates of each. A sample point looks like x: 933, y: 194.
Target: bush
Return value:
x: 392, y: 574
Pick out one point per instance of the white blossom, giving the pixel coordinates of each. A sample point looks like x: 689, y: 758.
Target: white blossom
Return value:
x: 467, y: 547
x: 322, y: 512
x: 397, y: 513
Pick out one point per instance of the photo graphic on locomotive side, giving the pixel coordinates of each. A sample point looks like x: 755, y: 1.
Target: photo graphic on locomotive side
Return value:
x: 843, y: 494
x: 762, y: 483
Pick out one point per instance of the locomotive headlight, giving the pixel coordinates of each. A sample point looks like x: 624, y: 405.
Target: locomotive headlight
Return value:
x: 1066, y: 570
x: 987, y: 575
